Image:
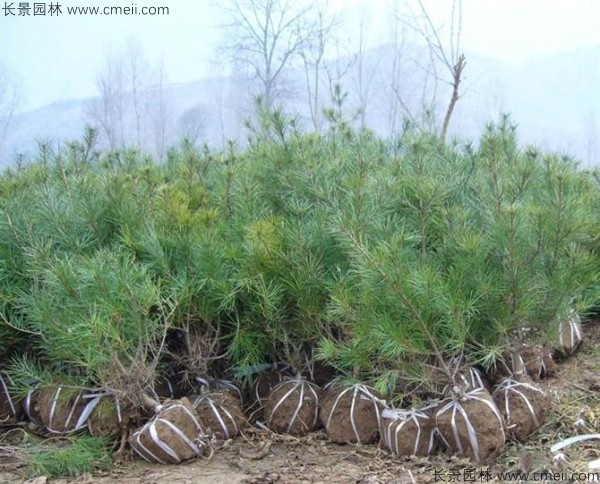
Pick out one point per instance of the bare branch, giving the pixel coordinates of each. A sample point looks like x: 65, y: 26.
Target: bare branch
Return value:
x: 266, y: 35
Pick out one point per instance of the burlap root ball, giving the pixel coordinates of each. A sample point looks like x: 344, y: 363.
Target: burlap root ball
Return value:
x: 11, y: 410
x: 220, y: 413
x: 523, y: 405
x: 60, y: 410
x: 407, y: 432
x: 471, y: 426
x: 293, y: 407
x: 351, y: 414
x: 172, y: 436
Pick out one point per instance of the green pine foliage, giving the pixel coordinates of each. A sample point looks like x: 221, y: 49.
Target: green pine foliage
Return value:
x: 67, y: 457
x: 383, y: 258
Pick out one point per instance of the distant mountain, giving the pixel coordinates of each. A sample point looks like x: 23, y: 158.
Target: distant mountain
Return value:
x: 554, y: 100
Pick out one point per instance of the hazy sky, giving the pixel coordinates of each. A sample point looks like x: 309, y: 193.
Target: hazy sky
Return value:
x: 57, y: 57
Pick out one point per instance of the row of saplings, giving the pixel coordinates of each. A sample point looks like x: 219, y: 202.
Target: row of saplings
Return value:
x: 473, y: 420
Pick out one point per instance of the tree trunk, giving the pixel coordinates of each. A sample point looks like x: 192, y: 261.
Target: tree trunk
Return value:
x: 457, y: 71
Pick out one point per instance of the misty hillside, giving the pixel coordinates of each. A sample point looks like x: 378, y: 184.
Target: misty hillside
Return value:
x: 554, y: 100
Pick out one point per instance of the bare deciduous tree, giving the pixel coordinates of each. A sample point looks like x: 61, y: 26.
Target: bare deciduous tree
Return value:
x: 265, y: 36
x: 161, y: 114
x: 133, y: 107
x: 108, y: 111
x: 364, y: 70
x: 447, y: 56
x: 313, y: 56
x: 136, y: 73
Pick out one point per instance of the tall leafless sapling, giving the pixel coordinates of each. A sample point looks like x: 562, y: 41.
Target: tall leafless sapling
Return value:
x: 447, y: 56
x: 160, y: 112
x: 108, y: 110
x: 313, y: 57
x: 266, y: 36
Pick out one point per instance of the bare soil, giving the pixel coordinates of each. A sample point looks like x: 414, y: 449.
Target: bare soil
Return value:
x: 261, y: 457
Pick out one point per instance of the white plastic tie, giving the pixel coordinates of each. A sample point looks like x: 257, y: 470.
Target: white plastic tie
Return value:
x: 8, y: 397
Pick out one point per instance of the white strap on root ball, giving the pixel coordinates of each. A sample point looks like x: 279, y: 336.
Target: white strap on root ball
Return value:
x: 407, y: 432
x: 164, y: 388
x: 60, y: 410
x: 530, y: 360
x: 10, y: 408
x: 537, y: 361
x: 172, y: 436
x: 110, y: 417
x: 262, y: 386
x: 569, y: 334
x: 471, y: 426
x: 472, y: 379
x: 220, y: 413
x: 352, y: 414
x: 293, y: 407
x: 523, y: 406
x: 468, y: 379
x: 208, y: 384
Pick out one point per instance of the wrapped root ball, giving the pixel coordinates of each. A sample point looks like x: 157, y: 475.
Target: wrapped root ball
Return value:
x: 111, y: 417
x: 471, y: 426
x: 407, y: 432
x: 537, y: 361
x: 569, y: 334
x: 219, y: 385
x: 262, y: 386
x: 172, y: 436
x: 293, y: 407
x: 351, y: 414
x: 523, y: 405
x: 220, y: 412
x: 60, y: 410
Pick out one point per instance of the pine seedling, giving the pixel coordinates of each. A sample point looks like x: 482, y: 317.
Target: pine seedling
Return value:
x: 100, y: 315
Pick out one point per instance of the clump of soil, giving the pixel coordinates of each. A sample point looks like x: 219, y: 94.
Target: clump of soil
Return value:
x: 407, y: 432
x: 293, y: 407
x: 523, y: 405
x: 220, y: 412
x: 10, y: 407
x: 351, y: 414
x: 172, y: 436
x: 471, y: 425
x: 59, y: 409
x: 111, y: 417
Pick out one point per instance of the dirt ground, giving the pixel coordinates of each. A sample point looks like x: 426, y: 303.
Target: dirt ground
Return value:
x: 260, y: 457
